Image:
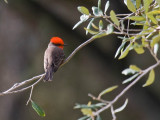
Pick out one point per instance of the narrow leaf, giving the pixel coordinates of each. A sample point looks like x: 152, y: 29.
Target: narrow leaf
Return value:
x: 125, y: 52
x: 100, y: 25
x: 138, y: 3
x: 128, y: 71
x: 146, y: 5
x: 96, y: 11
x: 109, y: 29
x: 155, y: 40
x: 84, y: 17
x: 130, y: 78
x: 150, y: 79
x: 114, y: 18
x: 134, y: 67
x: 150, y: 16
x: 91, y: 31
x: 83, y: 10
x: 131, y: 6
x: 139, y: 50
x: 77, y: 24
x: 107, y: 90
x: 137, y: 18
x: 38, y: 109
x: 156, y: 47
x: 99, y: 5
x: 119, y: 49
x: 94, y: 26
x: 106, y: 7
x: 86, y: 111
x: 99, y: 35
x: 122, y: 107
x: 89, y: 25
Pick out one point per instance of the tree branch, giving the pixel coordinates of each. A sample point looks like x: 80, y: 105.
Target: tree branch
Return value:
x: 16, y: 86
x: 144, y: 72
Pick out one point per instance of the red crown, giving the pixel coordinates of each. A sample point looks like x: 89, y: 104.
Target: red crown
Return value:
x: 57, y: 40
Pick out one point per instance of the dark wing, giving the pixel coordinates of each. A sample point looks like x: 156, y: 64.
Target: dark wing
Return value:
x: 58, y: 58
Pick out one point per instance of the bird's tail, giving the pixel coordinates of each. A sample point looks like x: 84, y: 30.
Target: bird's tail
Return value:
x: 49, y: 74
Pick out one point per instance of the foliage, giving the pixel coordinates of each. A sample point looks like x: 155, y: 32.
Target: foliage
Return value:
x: 143, y: 13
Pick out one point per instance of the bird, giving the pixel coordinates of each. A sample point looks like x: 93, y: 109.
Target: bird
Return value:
x: 53, y: 57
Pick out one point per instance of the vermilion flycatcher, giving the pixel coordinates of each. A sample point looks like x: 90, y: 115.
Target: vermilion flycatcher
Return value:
x: 53, y: 57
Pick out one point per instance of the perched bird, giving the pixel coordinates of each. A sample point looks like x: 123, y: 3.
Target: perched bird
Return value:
x: 53, y: 57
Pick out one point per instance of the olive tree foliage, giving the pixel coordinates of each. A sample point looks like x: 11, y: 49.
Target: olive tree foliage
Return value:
x: 143, y: 13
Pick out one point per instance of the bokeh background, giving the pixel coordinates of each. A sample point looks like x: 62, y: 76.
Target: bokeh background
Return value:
x: 25, y: 29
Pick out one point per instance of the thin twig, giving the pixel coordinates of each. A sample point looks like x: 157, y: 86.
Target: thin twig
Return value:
x: 95, y: 98
x: 30, y: 96
x: 113, y: 114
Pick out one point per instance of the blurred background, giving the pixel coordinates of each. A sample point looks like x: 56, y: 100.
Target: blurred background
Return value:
x: 25, y: 29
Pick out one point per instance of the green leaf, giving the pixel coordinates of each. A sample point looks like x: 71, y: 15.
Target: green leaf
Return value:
x: 94, y: 26
x: 156, y: 47
x: 114, y: 18
x: 155, y: 40
x: 38, y: 109
x: 106, y: 7
x: 83, y: 118
x: 96, y: 11
x: 150, y: 16
x: 150, y: 79
x: 86, y: 111
x: 138, y: 48
x: 89, y: 25
x: 91, y: 31
x: 84, y: 17
x: 83, y: 10
x: 130, y: 78
x: 131, y: 6
x: 77, y: 24
x: 146, y: 5
x: 125, y: 52
x: 109, y: 29
x: 92, y: 106
x: 134, y: 67
x: 99, y: 35
x: 122, y: 107
x: 100, y: 25
x: 138, y: 3
x: 137, y: 18
x: 119, y: 49
x: 128, y: 71
x: 107, y: 91
x: 99, y: 5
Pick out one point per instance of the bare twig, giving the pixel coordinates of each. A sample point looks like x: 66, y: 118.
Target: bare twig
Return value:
x: 30, y: 96
x: 95, y: 98
x: 113, y: 114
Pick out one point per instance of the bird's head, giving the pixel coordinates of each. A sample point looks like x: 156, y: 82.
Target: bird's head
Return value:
x: 57, y: 42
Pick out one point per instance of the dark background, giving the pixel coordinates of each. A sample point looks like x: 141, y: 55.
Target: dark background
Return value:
x: 25, y: 29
